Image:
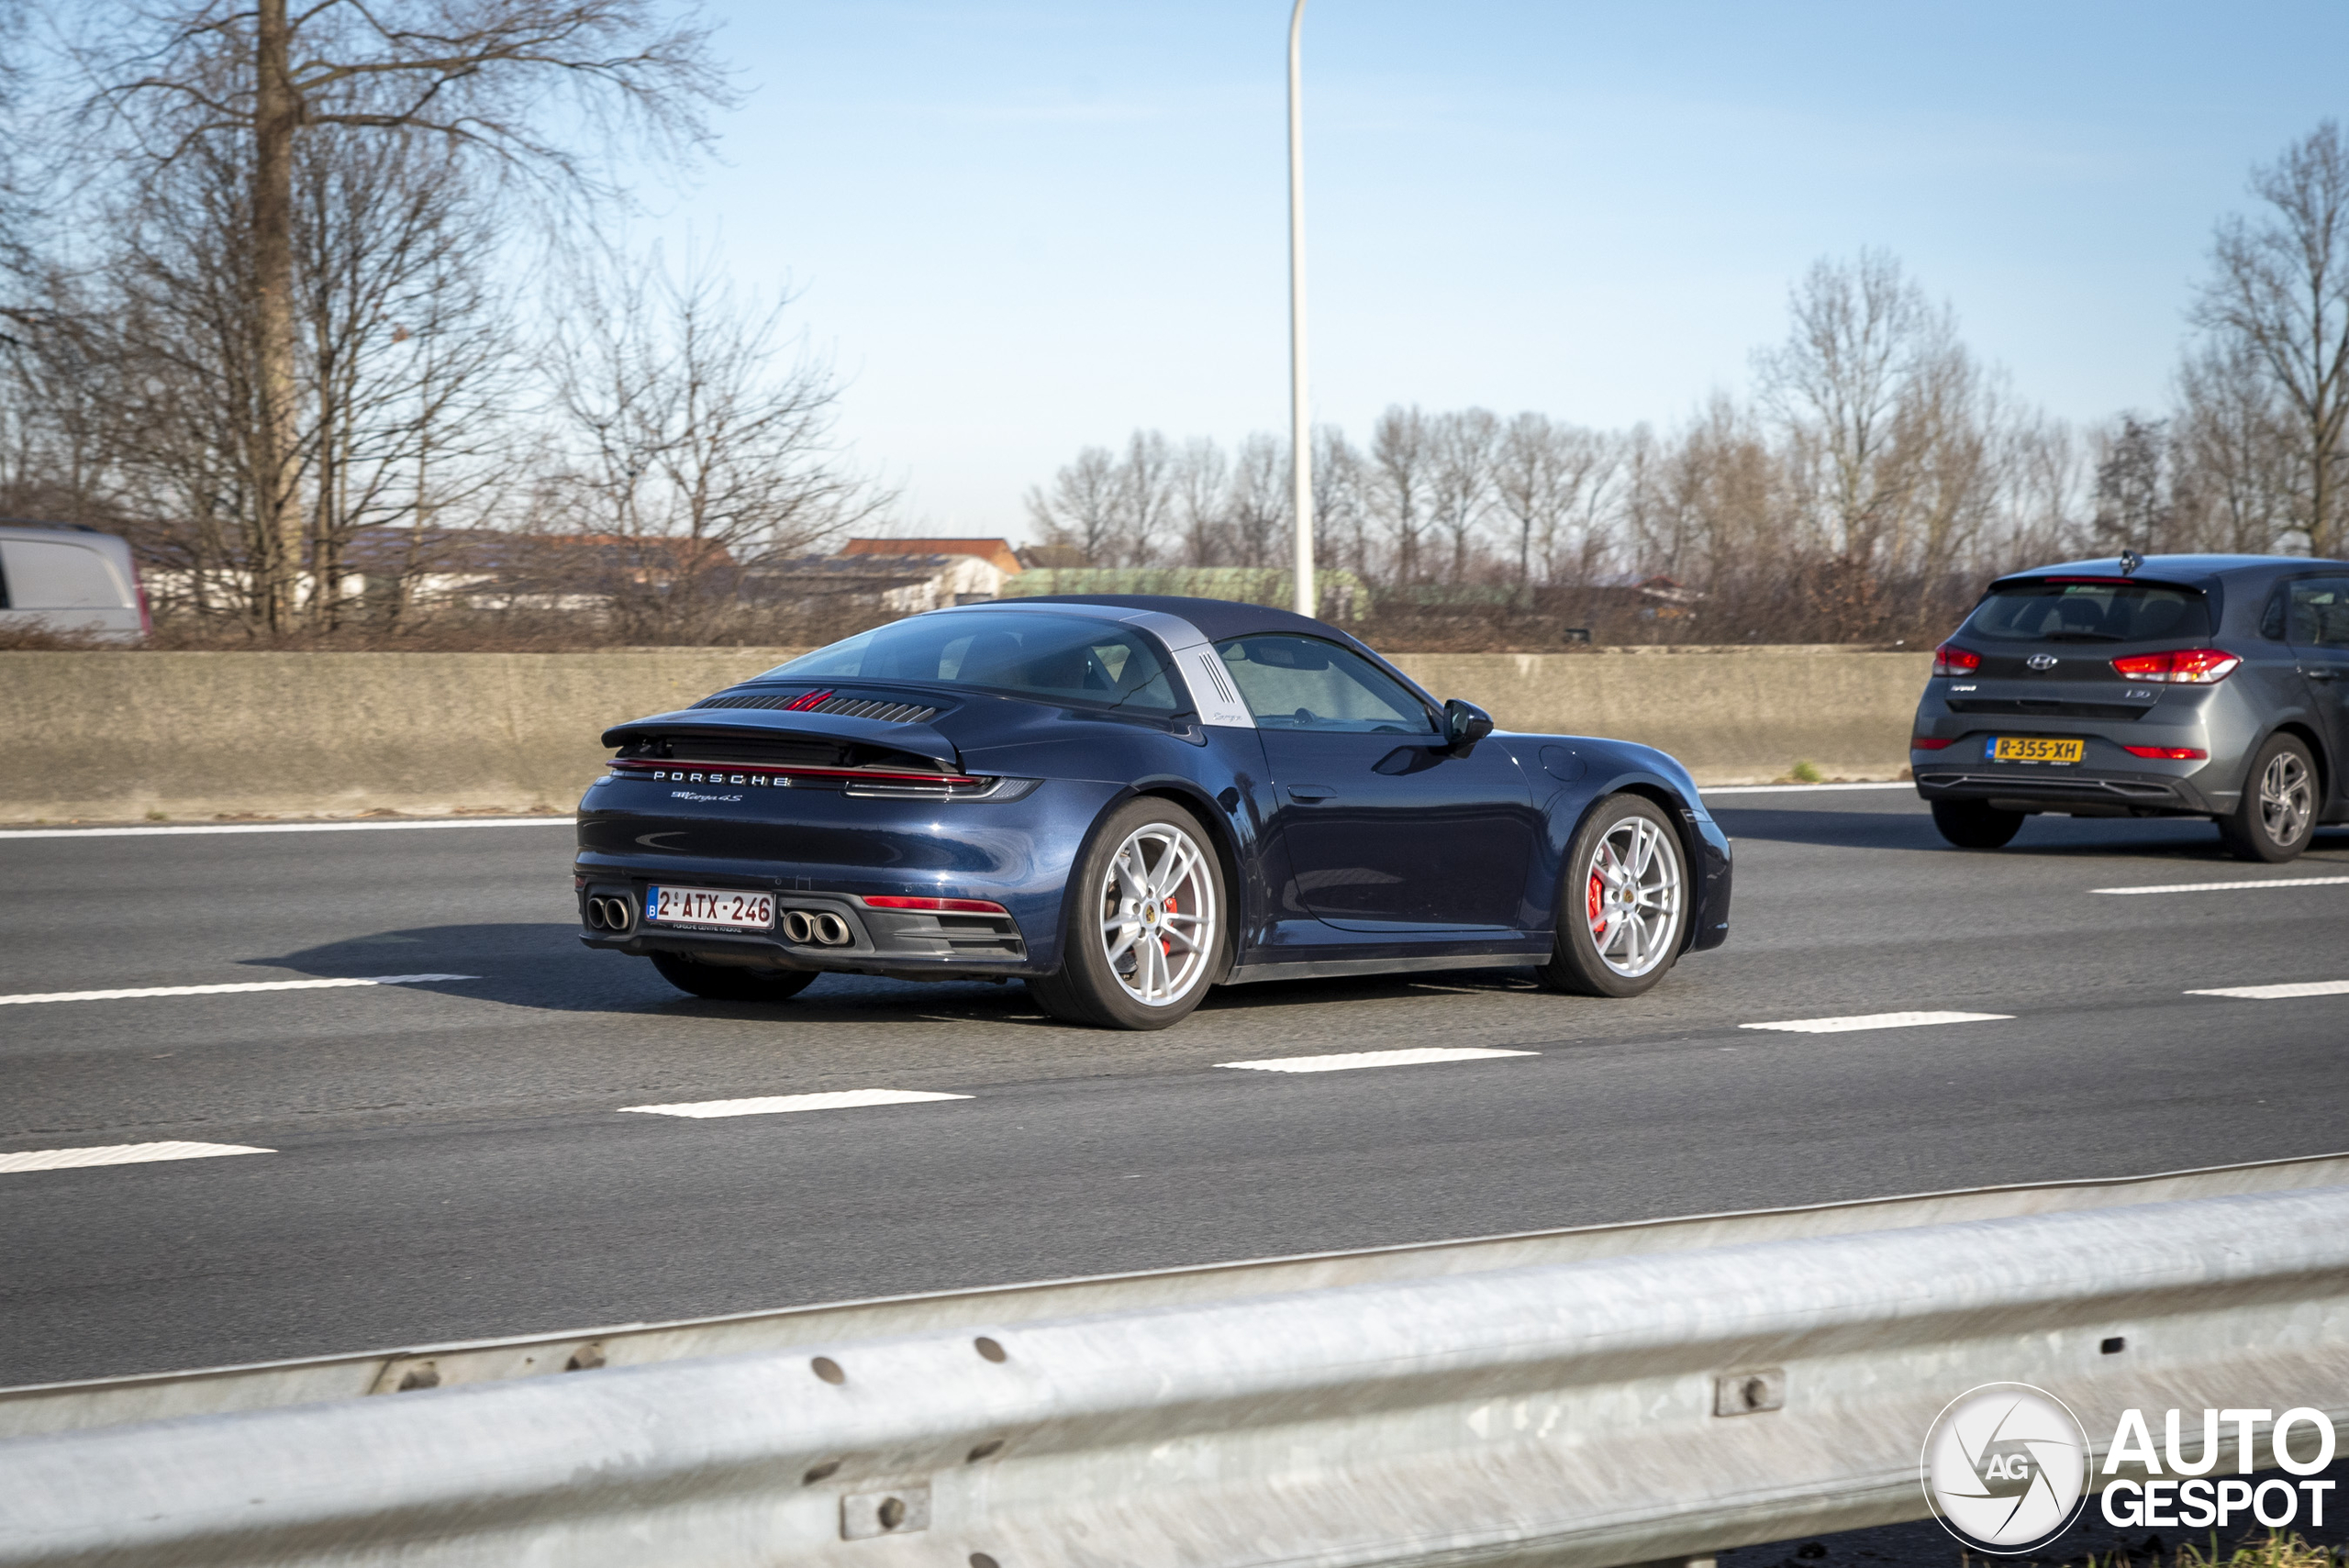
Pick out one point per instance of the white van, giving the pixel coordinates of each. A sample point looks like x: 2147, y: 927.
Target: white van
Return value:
x: 61, y: 578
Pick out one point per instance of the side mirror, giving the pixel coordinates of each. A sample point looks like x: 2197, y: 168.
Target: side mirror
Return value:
x: 1464, y: 723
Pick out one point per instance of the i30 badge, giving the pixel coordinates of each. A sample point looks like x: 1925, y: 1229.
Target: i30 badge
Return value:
x: 2041, y: 661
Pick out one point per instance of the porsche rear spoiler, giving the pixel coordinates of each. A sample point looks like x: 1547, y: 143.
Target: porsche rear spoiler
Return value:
x: 916, y: 740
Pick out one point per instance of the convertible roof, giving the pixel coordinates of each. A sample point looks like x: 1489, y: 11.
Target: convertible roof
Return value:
x: 1216, y: 618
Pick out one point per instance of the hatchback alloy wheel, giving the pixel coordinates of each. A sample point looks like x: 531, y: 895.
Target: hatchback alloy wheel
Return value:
x: 2285, y: 796
x: 2276, y: 816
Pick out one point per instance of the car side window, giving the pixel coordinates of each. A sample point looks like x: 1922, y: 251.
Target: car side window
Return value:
x: 2319, y: 612
x: 1303, y: 682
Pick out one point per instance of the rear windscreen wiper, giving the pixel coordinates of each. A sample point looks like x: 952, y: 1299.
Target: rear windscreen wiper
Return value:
x: 2081, y: 637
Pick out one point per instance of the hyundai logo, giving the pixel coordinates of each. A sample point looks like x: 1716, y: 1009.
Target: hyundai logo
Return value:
x: 2041, y: 661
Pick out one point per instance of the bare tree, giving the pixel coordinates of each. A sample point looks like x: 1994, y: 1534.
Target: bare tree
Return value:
x: 1146, y: 499
x: 405, y: 349
x: 2048, y: 498
x: 1257, y: 506
x: 1550, y: 481
x: 1861, y: 336
x: 2279, y: 289
x: 2132, y: 487
x: 1085, y: 507
x: 1462, y: 481
x: 700, y: 444
x: 1341, y: 506
x: 488, y: 77
x: 2236, y: 487
x: 1891, y: 433
x: 1402, y: 461
x: 1202, y: 480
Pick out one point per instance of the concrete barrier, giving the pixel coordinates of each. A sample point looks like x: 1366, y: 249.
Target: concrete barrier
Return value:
x: 1731, y: 715
x: 115, y: 737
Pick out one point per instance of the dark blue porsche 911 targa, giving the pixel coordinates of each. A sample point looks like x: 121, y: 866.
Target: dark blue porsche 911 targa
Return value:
x: 1124, y: 801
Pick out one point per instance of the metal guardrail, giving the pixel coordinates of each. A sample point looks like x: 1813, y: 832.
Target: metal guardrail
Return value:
x: 1580, y: 1399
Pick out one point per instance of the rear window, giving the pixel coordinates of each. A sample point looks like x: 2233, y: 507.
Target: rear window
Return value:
x: 2056, y: 610
x: 1057, y: 658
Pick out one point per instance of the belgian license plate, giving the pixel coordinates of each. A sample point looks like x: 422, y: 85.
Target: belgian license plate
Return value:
x: 2034, y: 748
x: 730, y: 908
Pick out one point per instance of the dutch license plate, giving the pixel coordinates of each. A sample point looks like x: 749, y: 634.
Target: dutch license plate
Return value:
x: 2034, y: 748
x: 728, y: 908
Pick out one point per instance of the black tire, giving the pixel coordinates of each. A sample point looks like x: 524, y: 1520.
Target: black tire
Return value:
x: 1976, y: 824
x: 2277, y: 817
x: 1102, y: 984
x: 727, y: 983
x: 1646, y: 934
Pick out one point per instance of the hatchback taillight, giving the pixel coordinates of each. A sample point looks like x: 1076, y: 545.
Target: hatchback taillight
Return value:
x: 2182, y: 667
x: 1951, y: 660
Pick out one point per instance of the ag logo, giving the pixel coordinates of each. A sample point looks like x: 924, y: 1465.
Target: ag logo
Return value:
x: 2042, y: 662
x: 2006, y: 1468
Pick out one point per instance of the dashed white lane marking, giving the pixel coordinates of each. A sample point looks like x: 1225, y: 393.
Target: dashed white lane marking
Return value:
x: 2231, y: 886
x: 283, y: 827
x: 770, y: 1105
x: 119, y: 1154
x: 1793, y: 789
x: 2277, y: 993
x: 1347, y: 1059
x: 121, y: 994
x: 1876, y: 1021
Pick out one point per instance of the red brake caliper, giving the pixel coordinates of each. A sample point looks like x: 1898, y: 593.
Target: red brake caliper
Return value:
x: 1163, y: 945
x: 1597, y: 906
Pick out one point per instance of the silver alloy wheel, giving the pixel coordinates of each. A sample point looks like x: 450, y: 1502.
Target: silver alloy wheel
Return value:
x: 1632, y: 896
x: 2285, y: 798
x: 1158, y: 914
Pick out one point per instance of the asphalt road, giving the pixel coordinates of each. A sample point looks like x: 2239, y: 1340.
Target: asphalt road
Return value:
x: 451, y: 1160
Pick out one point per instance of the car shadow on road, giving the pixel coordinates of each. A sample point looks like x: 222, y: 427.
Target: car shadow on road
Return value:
x: 2171, y: 838
x: 540, y: 965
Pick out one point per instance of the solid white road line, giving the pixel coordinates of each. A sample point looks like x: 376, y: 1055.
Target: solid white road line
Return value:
x: 284, y: 827
x: 1796, y: 788
x: 2231, y: 886
x: 770, y: 1105
x: 225, y: 990
x: 1876, y: 1021
x: 118, y: 1154
x: 2277, y: 993
x: 1347, y: 1061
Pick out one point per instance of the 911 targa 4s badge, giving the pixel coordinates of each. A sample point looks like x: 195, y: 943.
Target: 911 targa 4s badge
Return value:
x: 1124, y: 802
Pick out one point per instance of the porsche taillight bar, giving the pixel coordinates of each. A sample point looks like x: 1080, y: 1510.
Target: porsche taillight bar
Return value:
x: 769, y: 770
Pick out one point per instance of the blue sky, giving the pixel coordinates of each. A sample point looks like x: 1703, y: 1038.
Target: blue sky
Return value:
x: 1019, y: 229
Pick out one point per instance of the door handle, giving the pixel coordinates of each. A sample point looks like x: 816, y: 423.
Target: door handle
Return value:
x: 1309, y: 793
x: 2322, y: 674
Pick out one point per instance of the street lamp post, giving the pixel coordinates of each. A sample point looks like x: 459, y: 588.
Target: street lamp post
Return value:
x: 1301, y: 420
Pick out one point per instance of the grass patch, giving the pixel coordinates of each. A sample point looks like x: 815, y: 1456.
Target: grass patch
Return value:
x: 2276, y: 1549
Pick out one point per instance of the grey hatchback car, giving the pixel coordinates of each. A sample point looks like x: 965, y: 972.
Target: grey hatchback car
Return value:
x: 2165, y: 685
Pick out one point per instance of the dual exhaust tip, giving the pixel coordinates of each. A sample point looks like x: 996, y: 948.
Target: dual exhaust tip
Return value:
x: 823, y: 929
x: 609, y: 914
